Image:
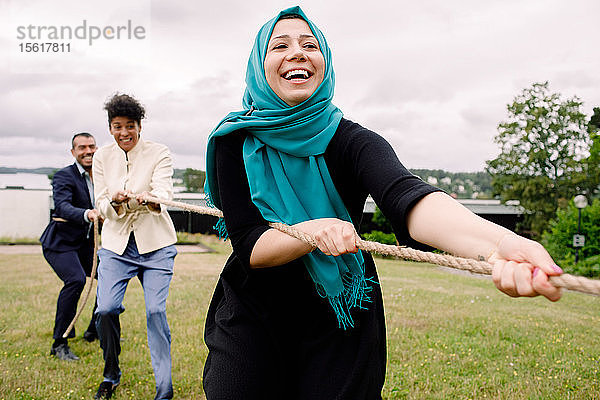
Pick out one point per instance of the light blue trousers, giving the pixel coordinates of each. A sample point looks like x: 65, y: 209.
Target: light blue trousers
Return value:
x: 154, y: 271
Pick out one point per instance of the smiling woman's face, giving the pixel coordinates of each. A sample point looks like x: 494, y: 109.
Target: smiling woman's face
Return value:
x: 126, y: 132
x: 294, y: 65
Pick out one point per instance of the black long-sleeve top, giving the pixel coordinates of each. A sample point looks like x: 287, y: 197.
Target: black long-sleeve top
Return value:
x: 269, y: 334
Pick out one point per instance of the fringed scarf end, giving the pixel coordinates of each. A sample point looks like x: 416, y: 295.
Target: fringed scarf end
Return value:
x: 342, y: 311
x: 357, y: 289
x: 221, y: 229
x: 220, y: 226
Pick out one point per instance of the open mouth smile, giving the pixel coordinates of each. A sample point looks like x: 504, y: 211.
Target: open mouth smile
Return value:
x: 297, y: 75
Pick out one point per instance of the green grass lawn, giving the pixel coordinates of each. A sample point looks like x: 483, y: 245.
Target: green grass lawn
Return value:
x: 450, y: 336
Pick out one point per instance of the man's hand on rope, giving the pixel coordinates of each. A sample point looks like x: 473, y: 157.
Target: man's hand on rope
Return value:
x: 94, y: 214
x: 521, y: 267
x: 333, y: 236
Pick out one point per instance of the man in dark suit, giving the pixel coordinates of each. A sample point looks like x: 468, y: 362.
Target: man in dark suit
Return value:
x: 67, y: 241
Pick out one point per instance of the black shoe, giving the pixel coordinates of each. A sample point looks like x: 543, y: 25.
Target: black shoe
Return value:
x: 105, y: 390
x: 63, y: 352
x: 90, y: 336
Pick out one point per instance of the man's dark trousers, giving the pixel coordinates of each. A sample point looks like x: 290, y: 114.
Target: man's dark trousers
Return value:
x: 71, y: 267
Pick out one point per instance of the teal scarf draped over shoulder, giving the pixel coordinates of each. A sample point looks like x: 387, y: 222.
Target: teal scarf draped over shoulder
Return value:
x: 285, y: 166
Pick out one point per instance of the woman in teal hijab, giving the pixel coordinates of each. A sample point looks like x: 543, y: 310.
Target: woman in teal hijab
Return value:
x: 291, y: 321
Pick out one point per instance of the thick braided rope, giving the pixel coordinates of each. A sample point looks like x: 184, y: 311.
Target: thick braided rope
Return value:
x: 89, y: 288
x: 571, y: 282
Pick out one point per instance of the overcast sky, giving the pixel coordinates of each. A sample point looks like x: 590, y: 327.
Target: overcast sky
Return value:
x: 433, y: 77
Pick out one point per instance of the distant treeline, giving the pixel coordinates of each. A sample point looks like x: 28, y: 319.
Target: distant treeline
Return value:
x: 42, y: 171
x: 178, y: 173
x: 465, y: 185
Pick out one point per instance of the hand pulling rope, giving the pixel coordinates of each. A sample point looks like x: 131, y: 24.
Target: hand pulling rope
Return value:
x: 566, y: 281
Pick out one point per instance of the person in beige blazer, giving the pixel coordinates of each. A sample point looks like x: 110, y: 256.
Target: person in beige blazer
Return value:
x: 138, y: 239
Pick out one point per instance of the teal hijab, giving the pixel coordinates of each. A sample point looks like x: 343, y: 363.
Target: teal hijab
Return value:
x: 286, y: 170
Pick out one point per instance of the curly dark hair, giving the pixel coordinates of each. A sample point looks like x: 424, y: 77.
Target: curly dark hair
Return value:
x: 123, y: 105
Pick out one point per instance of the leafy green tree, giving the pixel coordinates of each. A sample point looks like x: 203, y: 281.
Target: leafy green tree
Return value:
x: 558, y: 240
x: 193, y: 179
x: 544, y: 147
x: 593, y: 161
x: 594, y: 124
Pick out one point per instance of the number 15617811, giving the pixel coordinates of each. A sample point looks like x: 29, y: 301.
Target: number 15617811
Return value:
x: 45, y: 47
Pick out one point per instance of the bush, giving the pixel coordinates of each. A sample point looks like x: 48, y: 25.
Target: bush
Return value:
x: 559, y: 240
x: 380, y: 237
x: 381, y: 221
x: 588, y: 267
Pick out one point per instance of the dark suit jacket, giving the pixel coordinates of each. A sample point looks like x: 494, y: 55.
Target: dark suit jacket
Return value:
x: 71, y: 199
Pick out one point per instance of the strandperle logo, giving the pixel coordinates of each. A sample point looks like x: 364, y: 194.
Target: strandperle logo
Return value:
x: 84, y: 31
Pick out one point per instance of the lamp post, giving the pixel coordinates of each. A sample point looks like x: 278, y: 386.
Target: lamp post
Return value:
x: 579, y: 240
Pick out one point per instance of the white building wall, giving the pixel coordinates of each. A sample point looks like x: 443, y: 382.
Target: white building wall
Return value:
x: 24, y: 213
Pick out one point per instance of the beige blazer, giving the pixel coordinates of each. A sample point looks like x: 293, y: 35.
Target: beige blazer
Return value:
x: 146, y: 167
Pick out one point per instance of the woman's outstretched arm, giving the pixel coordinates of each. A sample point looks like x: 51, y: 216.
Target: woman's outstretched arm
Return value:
x: 520, y: 266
